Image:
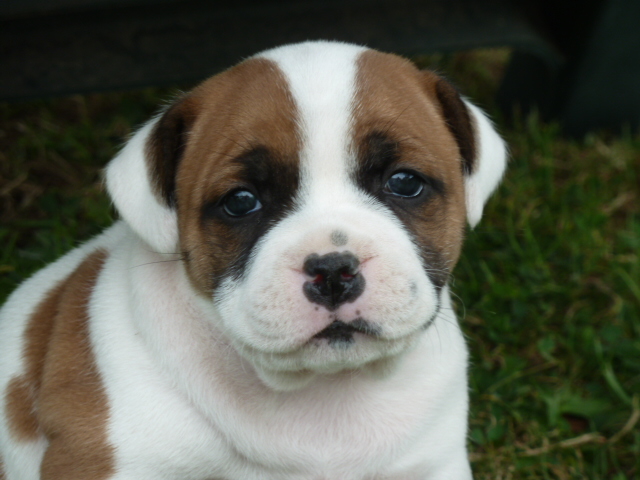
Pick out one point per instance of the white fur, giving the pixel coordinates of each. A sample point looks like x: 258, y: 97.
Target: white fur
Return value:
x: 489, y: 167
x: 127, y: 178
x: 231, y: 388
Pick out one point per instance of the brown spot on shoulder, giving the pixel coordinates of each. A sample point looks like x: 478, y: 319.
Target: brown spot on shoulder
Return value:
x: 61, y: 396
x: 23, y: 391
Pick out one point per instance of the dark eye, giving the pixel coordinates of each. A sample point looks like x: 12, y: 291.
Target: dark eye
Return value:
x: 241, y: 202
x: 404, y: 184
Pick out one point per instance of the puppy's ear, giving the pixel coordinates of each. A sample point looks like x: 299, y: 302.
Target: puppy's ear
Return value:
x: 482, y: 152
x: 141, y: 178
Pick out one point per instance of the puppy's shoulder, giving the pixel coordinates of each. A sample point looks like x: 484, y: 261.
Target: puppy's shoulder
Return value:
x: 23, y: 301
x: 28, y: 317
x: 48, y: 374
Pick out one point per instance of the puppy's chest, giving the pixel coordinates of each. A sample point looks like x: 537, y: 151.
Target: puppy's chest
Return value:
x: 324, y: 433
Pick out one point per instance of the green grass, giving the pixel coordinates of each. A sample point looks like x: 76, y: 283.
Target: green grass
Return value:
x: 551, y: 287
x: 548, y: 285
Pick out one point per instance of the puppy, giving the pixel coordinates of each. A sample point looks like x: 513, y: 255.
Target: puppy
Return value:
x: 274, y: 302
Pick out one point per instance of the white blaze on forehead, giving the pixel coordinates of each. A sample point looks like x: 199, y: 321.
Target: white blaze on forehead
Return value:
x: 321, y: 77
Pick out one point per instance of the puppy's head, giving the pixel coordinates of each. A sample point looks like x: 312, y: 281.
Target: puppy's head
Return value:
x: 318, y: 193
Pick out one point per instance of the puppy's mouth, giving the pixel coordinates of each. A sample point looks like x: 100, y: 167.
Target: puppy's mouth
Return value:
x: 339, y: 332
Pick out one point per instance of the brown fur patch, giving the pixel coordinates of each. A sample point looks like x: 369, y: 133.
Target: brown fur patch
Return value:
x: 61, y: 395
x: 2, y: 477
x: 458, y: 120
x: 398, y: 114
x: 241, y: 131
x: 165, y: 147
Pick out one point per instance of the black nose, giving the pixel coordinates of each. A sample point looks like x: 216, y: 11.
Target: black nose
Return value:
x: 335, y: 279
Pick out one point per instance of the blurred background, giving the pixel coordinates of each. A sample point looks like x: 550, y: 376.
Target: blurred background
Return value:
x: 549, y: 283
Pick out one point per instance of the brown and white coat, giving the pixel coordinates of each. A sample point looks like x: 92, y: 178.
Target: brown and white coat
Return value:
x: 274, y: 302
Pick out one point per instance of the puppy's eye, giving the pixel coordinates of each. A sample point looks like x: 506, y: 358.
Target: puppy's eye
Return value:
x: 404, y: 184
x: 241, y: 202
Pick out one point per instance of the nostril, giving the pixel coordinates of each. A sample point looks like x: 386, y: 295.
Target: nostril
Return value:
x: 319, y: 278
x: 346, y: 276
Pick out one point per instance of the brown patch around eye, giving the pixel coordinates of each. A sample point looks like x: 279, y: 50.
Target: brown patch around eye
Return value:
x: 60, y: 396
x: 245, y: 137
x: 399, y: 126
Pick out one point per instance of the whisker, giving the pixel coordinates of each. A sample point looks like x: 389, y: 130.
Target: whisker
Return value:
x: 152, y: 263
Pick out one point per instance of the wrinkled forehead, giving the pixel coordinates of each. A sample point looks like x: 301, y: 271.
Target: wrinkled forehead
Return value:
x: 395, y: 98
x: 314, y: 106
x: 343, y: 93
x: 323, y: 83
x: 247, y: 106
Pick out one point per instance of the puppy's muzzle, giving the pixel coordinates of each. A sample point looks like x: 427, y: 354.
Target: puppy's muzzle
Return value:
x: 335, y: 279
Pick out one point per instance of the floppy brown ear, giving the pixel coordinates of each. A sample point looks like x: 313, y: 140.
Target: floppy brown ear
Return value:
x: 141, y: 178
x: 166, y: 144
x: 483, y: 155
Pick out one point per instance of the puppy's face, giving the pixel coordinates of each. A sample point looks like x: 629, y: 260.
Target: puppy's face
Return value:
x: 320, y: 199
